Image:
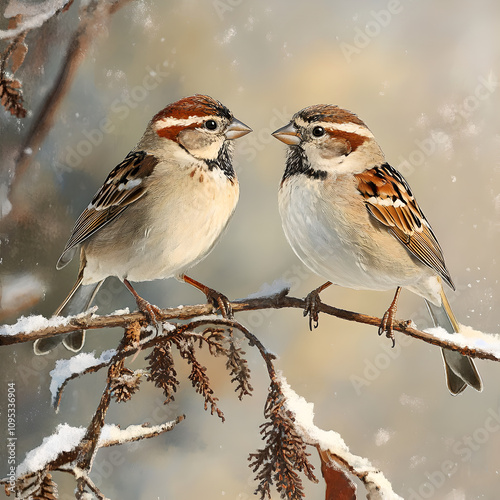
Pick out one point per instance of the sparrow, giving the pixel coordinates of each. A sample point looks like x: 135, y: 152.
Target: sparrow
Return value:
x: 353, y: 219
x: 159, y: 212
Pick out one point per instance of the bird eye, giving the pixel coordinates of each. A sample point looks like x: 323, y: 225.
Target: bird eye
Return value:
x: 318, y: 131
x: 211, y: 124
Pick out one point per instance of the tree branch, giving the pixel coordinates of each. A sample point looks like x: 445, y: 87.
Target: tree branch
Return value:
x: 288, y: 428
x: 18, y: 333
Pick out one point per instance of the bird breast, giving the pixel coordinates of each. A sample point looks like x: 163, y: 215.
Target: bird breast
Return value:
x: 185, y: 212
x: 337, y: 238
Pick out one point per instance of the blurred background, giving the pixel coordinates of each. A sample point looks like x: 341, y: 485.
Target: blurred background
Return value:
x: 424, y: 76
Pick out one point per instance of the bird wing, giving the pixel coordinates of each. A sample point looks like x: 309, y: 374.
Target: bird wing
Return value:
x: 124, y: 185
x: 389, y: 199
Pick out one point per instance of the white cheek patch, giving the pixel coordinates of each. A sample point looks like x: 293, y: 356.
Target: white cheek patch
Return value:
x: 211, y: 152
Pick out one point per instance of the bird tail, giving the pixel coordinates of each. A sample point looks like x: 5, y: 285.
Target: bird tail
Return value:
x: 78, y: 300
x: 460, y: 370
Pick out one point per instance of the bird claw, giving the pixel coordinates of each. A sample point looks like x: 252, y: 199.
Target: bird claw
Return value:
x: 313, y: 303
x: 386, y: 326
x: 152, y: 312
x: 219, y: 301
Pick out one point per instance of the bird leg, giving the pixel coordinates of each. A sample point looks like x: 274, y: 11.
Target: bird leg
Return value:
x: 153, y: 313
x: 313, y: 303
x: 388, y: 318
x: 215, y: 298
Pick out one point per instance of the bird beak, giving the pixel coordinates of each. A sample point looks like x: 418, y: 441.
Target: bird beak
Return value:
x: 287, y: 134
x: 237, y: 129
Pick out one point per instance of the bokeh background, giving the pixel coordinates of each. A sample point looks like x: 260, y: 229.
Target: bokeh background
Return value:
x: 425, y: 78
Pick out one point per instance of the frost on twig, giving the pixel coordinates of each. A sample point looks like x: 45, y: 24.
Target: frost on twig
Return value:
x: 29, y: 17
x: 22, y: 19
x: 11, y: 96
x: 93, y: 16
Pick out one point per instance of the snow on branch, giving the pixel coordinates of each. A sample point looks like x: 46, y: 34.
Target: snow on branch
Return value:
x: 68, y: 369
x: 66, y: 439
x: 33, y: 16
x: 333, y: 448
x: 471, y: 343
x: 288, y: 432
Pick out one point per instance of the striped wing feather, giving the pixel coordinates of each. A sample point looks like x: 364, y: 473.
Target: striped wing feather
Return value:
x: 389, y: 200
x: 123, y: 186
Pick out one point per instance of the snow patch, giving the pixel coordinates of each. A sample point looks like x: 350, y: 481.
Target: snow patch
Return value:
x: 34, y: 15
x: 304, y: 420
x: 65, y: 368
x: 5, y: 204
x: 64, y: 439
x: 168, y: 327
x: 469, y: 337
x: 114, y: 433
x: 119, y: 312
x: 67, y: 438
x: 28, y: 324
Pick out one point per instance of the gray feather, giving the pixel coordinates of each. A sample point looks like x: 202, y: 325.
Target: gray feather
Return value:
x: 460, y: 370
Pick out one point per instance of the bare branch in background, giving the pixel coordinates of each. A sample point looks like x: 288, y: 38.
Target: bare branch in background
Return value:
x: 93, y: 17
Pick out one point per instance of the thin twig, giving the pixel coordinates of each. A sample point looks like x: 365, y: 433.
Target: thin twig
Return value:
x: 167, y: 426
x: 94, y: 15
